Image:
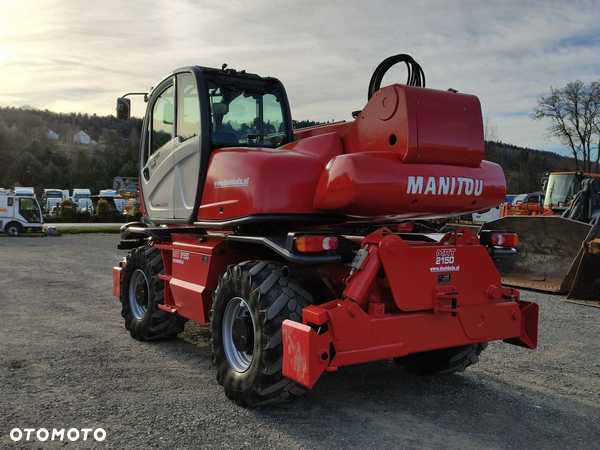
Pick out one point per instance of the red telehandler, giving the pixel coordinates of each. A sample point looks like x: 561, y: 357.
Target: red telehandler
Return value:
x: 291, y: 244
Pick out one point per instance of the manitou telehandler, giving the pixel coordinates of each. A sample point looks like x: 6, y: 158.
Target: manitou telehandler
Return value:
x: 294, y: 246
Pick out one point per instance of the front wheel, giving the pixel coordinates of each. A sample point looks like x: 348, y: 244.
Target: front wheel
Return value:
x: 249, y: 306
x: 141, y: 293
x: 13, y: 229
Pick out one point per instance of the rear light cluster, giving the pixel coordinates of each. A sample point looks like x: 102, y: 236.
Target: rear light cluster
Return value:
x: 314, y: 243
x: 504, y: 239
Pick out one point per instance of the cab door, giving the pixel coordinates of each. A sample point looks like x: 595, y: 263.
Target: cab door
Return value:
x: 187, y: 149
x: 157, y: 171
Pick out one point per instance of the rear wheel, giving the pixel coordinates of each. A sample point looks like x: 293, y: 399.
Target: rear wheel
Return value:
x: 13, y: 229
x: 249, y: 306
x: 446, y: 360
x: 141, y: 293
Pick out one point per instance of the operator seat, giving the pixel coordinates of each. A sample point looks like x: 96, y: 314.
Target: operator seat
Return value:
x: 222, y: 137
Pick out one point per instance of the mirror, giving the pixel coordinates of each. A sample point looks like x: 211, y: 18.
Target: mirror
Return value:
x: 123, y: 108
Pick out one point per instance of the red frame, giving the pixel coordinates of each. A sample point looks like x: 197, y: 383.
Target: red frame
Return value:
x: 413, y: 308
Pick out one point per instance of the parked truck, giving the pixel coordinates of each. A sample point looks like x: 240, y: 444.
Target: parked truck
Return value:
x: 19, y: 213
x: 82, y: 200
x: 51, y: 198
x: 249, y: 226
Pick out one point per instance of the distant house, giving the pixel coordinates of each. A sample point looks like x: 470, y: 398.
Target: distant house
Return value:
x: 52, y: 135
x: 82, y: 138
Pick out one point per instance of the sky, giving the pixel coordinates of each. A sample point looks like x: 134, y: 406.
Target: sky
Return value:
x: 80, y: 55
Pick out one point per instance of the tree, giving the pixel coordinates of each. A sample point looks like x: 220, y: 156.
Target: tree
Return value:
x: 490, y: 136
x: 26, y: 170
x: 7, y: 153
x: 574, y: 114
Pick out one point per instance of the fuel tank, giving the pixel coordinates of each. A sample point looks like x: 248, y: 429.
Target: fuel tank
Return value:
x: 411, y: 153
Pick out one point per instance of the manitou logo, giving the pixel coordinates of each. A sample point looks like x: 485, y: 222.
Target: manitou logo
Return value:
x: 444, y: 186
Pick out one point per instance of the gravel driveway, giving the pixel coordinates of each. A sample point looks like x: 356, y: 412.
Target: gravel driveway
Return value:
x: 67, y: 362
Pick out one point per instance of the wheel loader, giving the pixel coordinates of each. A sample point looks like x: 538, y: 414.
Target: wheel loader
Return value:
x: 559, y: 250
x: 292, y: 244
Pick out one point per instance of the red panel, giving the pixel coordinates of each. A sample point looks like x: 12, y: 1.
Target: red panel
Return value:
x: 417, y: 273
x: 117, y: 274
x: 196, y: 267
x: 245, y: 181
x: 377, y: 184
x: 528, y: 337
x: 305, y: 353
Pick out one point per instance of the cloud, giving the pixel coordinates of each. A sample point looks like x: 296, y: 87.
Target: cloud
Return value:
x: 83, y: 54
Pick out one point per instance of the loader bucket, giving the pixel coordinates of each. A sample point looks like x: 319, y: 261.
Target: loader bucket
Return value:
x: 586, y: 285
x: 548, y: 254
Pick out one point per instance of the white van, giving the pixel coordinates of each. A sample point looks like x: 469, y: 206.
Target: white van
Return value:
x: 19, y: 213
x: 82, y: 200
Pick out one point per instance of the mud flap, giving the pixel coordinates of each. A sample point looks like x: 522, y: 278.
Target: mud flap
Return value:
x: 547, y: 254
x: 528, y: 336
x: 306, y: 354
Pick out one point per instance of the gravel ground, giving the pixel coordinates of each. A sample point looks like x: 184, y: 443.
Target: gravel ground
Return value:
x: 66, y: 361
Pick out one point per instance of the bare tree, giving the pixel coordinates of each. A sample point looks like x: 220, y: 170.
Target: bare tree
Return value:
x: 574, y: 114
x: 490, y: 136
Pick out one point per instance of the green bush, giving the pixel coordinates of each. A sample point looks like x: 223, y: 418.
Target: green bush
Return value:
x: 103, y: 211
x: 67, y: 211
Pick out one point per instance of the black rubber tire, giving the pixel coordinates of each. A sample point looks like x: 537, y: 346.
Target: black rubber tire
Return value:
x: 13, y: 229
x: 447, y: 360
x: 270, y: 298
x: 145, y: 264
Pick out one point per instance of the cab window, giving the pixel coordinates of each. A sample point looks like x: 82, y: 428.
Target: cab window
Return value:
x: 163, y: 115
x: 188, y: 107
x: 29, y: 210
x: 245, y: 116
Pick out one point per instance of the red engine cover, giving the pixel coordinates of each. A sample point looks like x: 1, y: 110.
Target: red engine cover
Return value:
x: 411, y: 153
x: 246, y: 181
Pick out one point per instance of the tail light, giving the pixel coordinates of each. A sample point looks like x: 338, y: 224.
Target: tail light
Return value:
x: 504, y: 239
x: 315, y: 243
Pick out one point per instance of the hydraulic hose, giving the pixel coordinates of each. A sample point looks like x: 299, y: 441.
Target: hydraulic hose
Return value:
x: 416, y: 76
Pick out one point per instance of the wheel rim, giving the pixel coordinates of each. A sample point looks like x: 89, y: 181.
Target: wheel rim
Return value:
x: 239, y: 334
x: 12, y: 231
x: 138, y: 294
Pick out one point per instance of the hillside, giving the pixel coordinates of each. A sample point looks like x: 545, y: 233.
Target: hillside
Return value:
x: 28, y: 157
x: 525, y: 167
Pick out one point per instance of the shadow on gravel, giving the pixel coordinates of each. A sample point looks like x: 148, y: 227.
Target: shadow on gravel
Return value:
x: 382, y: 399
x: 383, y: 402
